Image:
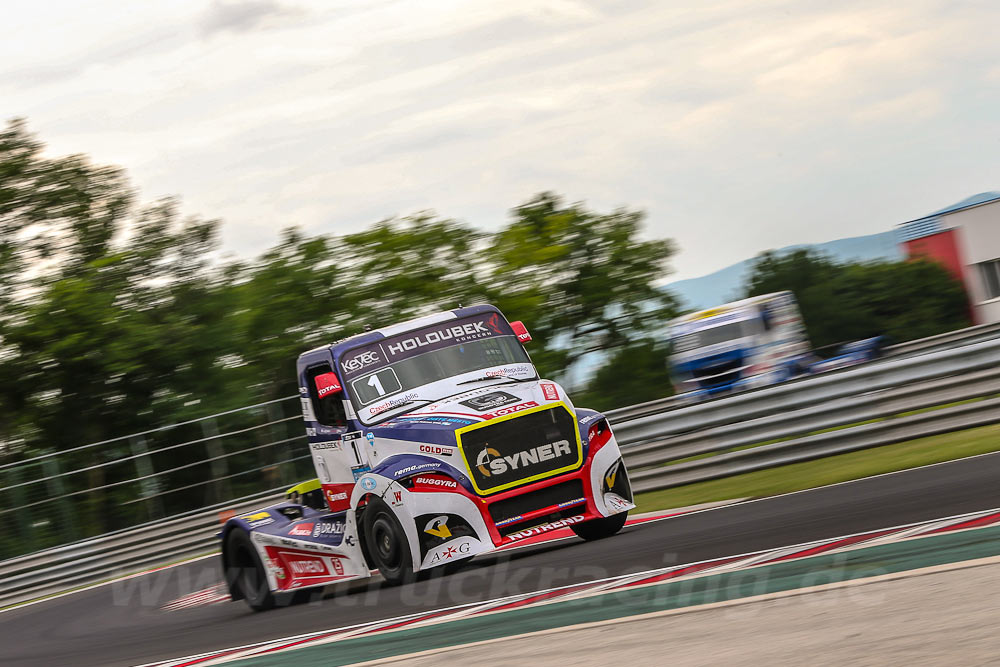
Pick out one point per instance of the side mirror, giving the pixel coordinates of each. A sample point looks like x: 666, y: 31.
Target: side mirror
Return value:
x: 327, y: 384
x: 520, y: 331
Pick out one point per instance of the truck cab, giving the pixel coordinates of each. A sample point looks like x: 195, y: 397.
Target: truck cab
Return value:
x: 740, y: 345
x: 433, y: 441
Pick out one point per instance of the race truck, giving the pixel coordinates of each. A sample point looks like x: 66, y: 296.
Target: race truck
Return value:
x: 433, y: 440
x: 751, y: 343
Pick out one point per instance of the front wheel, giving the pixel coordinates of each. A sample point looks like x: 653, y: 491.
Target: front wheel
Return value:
x: 387, y: 544
x: 597, y: 529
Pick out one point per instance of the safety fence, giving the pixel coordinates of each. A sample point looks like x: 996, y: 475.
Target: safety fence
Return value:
x: 164, y: 487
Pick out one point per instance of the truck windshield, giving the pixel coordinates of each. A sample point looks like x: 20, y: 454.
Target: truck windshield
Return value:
x: 713, y: 335
x: 417, y: 365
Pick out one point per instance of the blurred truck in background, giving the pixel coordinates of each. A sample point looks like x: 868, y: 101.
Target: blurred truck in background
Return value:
x: 750, y: 343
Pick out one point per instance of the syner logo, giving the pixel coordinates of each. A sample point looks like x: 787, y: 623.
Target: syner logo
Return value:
x: 489, y: 462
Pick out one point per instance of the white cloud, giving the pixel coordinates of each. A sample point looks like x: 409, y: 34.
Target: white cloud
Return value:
x: 737, y: 126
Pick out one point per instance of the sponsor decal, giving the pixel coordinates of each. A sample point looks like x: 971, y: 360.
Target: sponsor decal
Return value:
x: 279, y: 572
x: 349, y: 540
x: 310, y: 432
x: 361, y: 361
x: 550, y: 391
x: 409, y: 469
x: 458, y: 333
x: 451, y: 551
x: 327, y: 384
x: 489, y: 462
x: 447, y: 421
x: 436, y: 481
x: 509, y: 410
x: 393, y: 403
x: 438, y: 527
x: 368, y: 483
x: 589, y: 418
x: 332, y: 445
x: 302, y: 529
x: 490, y: 401
x: 609, y: 479
x: 397, y: 498
x: 435, y: 449
x: 310, y: 566
x: 494, y: 323
x: 616, y: 503
x: 360, y: 471
x: 323, y: 528
x: 546, y: 527
x: 513, y: 519
x: 258, y: 519
x: 570, y: 503
x: 371, y: 438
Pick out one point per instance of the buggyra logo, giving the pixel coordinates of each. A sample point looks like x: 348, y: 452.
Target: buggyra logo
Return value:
x: 489, y: 462
x: 457, y: 333
x: 359, y: 361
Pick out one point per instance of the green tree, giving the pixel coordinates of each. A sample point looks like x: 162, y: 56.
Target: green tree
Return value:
x: 583, y: 281
x: 851, y: 301
x: 635, y: 373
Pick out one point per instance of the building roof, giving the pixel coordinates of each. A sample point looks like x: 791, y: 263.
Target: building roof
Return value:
x: 932, y: 224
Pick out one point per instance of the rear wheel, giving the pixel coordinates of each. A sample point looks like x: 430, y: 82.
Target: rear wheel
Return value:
x: 245, y: 573
x: 597, y: 529
x: 387, y: 544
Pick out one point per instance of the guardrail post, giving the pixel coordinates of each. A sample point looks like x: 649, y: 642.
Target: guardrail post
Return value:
x: 282, y: 452
x: 68, y: 528
x: 150, y: 485
x: 22, y: 526
x: 220, y: 468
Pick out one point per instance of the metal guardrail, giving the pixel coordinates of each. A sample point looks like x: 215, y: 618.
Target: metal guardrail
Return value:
x: 949, y: 340
x: 865, y: 406
x: 91, y: 561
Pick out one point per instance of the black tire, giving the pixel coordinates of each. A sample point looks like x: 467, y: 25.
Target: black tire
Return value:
x: 388, y: 547
x: 598, y: 529
x: 245, y: 573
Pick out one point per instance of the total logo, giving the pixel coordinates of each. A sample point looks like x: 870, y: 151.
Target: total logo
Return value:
x: 510, y: 409
x: 489, y: 462
x: 302, y: 529
x: 360, y: 361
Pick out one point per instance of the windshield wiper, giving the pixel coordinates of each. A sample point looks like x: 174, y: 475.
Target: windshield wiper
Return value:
x: 496, y: 377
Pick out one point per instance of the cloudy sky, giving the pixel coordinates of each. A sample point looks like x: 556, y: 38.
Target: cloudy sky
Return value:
x: 737, y: 126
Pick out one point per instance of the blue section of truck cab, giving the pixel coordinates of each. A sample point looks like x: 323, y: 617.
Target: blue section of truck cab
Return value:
x: 401, y: 466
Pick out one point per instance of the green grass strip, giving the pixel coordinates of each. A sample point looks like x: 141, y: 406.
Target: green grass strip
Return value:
x: 829, y: 470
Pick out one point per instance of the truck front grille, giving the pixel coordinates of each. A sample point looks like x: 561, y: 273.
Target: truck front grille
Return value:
x: 534, y: 444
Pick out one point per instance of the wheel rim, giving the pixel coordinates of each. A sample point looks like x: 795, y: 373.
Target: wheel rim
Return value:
x: 386, y: 542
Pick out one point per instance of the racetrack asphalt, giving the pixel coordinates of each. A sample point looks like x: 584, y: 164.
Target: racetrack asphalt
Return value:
x: 123, y: 623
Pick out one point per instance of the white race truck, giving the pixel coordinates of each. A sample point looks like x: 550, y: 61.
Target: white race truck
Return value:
x: 433, y: 441
x: 751, y: 343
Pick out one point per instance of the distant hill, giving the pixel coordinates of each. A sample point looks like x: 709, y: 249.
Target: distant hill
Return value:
x: 727, y: 284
